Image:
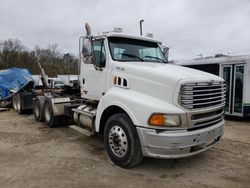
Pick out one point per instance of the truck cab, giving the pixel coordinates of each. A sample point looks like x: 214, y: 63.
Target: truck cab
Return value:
x: 172, y: 111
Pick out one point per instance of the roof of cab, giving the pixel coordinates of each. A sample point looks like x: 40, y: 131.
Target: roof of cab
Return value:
x: 125, y: 35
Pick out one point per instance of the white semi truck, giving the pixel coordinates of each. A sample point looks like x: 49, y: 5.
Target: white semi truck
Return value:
x: 142, y: 105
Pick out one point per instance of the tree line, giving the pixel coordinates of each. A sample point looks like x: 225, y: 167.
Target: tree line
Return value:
x: 14, y: 54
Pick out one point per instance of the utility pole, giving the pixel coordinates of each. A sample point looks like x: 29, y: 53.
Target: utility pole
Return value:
x: 141, y: 26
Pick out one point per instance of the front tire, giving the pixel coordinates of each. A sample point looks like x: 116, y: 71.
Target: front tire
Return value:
x: 122, y: 141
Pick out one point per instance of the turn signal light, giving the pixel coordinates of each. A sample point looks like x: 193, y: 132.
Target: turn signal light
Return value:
x: 157, y: 120
x: 115, y: 80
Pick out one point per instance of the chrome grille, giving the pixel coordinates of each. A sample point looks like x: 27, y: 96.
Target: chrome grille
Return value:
x: 202, y: 95
x: 206, y: 119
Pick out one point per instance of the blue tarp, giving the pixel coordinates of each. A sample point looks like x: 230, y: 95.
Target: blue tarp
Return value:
x: 12, y: 80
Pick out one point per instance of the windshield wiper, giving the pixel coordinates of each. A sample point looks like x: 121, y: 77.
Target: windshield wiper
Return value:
x: 131, y: 55
x: 155, y: 58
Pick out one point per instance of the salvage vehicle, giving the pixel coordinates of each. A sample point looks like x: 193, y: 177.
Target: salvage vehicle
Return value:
x: 141, y: 104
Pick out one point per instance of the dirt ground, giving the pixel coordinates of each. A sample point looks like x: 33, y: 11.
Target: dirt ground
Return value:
x: 32, y: 155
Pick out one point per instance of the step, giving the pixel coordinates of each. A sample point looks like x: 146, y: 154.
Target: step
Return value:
x: 81, y: 130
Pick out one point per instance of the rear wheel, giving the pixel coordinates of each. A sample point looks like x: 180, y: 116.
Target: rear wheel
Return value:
x: 122, y: 141
x: 51, y: 120
x: 16, y: 102
x: 39, y: 108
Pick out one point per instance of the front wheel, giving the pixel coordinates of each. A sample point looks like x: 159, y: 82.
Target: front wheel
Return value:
x: 122, y: 141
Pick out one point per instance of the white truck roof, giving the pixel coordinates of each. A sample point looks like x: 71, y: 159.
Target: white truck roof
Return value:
x: 126, y: 35
x: 215, y: 60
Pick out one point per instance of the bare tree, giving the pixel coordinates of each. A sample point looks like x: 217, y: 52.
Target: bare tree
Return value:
x: 9, y: 52
x: 14, y: 54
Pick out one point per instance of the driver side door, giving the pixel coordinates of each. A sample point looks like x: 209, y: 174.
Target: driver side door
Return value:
x: 93, y: 75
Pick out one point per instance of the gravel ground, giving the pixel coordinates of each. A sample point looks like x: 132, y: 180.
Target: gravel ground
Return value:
x: 32, y: 155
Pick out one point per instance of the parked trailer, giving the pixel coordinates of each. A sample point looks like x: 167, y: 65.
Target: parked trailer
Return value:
x: 235, y: 70
x: 55, y: 83
x: 142, y: 105
x: 69, y: 80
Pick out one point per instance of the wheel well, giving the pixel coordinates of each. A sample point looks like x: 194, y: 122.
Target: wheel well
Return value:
x: 108, y: 112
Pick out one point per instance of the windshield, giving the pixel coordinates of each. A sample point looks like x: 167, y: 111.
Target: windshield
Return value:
x: 58, y: 82
x: 126, y: 49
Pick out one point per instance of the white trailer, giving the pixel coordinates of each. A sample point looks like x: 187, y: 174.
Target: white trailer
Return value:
x: 69, y: 80
x: 55, y: 83
x: 142, y: 105
x: 235, y: 70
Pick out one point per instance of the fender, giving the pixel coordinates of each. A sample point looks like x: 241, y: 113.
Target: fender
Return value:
x: 137, y: 105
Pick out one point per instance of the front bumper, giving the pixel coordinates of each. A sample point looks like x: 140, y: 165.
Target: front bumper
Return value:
x: 178, y: 144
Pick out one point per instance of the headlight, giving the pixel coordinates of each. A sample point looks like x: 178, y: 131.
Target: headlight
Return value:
x: 164, y: 120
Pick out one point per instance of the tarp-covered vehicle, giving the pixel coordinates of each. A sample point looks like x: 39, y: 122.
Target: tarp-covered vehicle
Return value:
x: 12, y: 81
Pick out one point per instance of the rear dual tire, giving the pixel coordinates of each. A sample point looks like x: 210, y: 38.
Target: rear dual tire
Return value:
x: 39, y: 108
x: 16, y: 103
x: 50, y: 119
x: 22, y: 102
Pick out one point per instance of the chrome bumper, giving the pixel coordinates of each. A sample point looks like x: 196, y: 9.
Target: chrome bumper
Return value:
x: 178, y: 144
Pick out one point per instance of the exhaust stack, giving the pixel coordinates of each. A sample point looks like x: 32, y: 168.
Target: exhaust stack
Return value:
x: 88, y: 30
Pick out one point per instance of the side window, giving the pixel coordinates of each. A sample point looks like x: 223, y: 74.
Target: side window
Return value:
x: 99, y: 53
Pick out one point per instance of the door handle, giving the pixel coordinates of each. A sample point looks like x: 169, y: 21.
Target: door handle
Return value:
x: 83, y: 81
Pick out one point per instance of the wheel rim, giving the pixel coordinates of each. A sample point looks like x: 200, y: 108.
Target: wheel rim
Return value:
x: 37, y: 110
x: 47, y: 112
x: 118, y: 141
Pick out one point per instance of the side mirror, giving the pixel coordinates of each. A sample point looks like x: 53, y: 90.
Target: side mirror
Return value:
x: 165, y: 51
x: 87, y: 46
x: 87, y: 50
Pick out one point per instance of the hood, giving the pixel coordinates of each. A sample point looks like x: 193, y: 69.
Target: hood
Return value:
x: 167, y: 72
x: 158, y: 79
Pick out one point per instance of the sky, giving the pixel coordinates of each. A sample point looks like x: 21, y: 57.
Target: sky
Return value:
x: 188, y: 27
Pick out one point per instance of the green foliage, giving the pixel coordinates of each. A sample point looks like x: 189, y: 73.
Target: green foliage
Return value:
x: 14, y: 54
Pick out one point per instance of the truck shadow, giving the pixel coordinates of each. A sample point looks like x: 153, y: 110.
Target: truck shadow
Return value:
x: 97, y: 147
x: 173, y: 163
x: 172, y: 168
